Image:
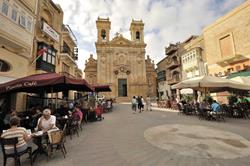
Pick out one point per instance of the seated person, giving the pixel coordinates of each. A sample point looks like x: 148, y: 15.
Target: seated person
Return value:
x: 18, y: 132
x: 77, y: 114
x: 215, y: 107
x: 99, y: 112
x: 37, y: 114
x: 203, y: 105
x: 47, y: 121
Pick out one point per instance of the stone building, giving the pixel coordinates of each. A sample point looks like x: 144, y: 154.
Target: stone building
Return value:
x: 163, y: 88
x: 33, y: 40
x: 121, y: 62
x: 173, y: 66
x: 151, y: 76
x: 192, y: 58
x: 17, y: 21
x: 47, y: 39
x: 227, y: 42
x: 57, y: 43
x: 91, y: 70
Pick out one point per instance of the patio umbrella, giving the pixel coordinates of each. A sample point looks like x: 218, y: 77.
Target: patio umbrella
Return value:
x: 214, y: 84
x: 242, y: 80
x: 47, y: 82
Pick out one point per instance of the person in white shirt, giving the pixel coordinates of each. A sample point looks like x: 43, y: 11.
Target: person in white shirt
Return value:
x: 148, y: 103
x: 47, y: 121
x: 134, y: 103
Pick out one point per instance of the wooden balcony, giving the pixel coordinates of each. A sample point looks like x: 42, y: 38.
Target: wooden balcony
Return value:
x: 173, y: 64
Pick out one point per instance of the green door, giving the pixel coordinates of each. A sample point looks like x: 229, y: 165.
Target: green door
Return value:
x: 122, y: 87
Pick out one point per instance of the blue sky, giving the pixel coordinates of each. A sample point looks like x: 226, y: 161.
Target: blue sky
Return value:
x: 166, y: 21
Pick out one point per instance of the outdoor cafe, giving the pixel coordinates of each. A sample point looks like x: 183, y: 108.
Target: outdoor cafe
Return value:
x: 50, y: 121
x: 202, y: 101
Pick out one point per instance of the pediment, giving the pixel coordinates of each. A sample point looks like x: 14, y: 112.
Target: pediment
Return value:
x: 120, y: 40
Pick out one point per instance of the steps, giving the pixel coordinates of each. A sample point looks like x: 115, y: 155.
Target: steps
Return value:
x: 122, y: 100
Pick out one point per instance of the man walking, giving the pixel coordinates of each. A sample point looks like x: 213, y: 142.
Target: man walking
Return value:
x: 134, y: 102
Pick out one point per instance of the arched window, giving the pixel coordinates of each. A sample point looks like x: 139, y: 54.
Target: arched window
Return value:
x: 103, y: 34
x: 4, y: 66
x: 137, y: 35
x: 176, y: 76
x: 174, y: 59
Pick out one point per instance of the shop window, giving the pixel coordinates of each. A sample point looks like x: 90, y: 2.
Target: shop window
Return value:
x: 4, y: 66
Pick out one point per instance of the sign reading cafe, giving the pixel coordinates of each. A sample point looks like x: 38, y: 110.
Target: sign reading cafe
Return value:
x: 50, y: 31
x: 20, y: 85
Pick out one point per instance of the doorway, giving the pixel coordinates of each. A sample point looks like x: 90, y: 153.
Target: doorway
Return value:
x: 122, y: 87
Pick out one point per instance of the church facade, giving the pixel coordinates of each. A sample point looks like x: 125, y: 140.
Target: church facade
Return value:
x: 121, y: 63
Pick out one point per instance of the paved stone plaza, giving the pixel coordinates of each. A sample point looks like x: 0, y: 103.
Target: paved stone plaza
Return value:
x: 153, y: 139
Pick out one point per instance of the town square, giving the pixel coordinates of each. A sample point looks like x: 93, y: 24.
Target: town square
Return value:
x: 137, y: 82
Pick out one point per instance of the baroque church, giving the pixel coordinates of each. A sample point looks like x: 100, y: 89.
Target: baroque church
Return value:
x: 121, y: 63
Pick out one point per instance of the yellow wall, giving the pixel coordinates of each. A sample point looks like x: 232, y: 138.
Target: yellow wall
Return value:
x: 236, y: 24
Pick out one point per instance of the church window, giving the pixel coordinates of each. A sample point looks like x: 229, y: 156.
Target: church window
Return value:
x: 103, y: 34
x: 138, y: 35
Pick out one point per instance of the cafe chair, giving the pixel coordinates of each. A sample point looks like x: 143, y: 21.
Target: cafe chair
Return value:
x: 73, y: 126
x: 16, y: 155
x: 57, y: 141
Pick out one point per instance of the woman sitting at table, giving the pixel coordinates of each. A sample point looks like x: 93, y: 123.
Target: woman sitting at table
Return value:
x: 47, y: 121
x: 18, y: 132
x: 77, y: 114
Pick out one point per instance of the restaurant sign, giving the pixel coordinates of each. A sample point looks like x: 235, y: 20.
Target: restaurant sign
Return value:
x: 21, y: 85
x: 50, y: 31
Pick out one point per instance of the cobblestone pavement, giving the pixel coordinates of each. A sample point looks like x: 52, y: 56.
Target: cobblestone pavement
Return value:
x: 119, y: 140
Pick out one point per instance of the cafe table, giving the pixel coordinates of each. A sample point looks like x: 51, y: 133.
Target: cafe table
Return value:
x: 41, y: 140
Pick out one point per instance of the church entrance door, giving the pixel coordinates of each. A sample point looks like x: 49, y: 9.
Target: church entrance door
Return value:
x: 122, y: 87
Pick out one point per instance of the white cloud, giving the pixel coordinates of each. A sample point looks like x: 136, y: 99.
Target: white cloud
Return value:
x: 165, y: 20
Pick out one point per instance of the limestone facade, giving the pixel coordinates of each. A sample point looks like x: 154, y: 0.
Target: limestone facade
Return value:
x: 91, y: 70
x: 48, y: 30
x: 17, y: 21
x: 192, y: 59
x: 121, y: 62
x: 227, y: 42
x: 163, y: 88
x: 26, y: 28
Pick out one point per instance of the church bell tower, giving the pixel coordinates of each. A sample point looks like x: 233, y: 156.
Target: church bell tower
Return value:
x: 137, y: 31
x: 103, y: 30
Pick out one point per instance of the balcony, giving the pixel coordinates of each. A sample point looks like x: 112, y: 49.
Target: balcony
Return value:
x: 42, y: 65
x: 67, y: 29
x: 174, y: 81
x: 174, y: 77
x: 71, y: 54
x: 173, y: 64
x: 171, y: 49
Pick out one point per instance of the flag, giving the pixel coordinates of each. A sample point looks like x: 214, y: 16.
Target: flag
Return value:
x: 39, y: 53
